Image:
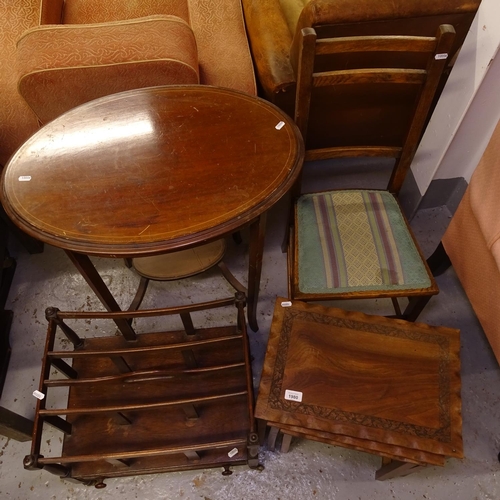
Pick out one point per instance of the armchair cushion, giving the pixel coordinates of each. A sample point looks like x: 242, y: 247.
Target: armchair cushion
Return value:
x: 17, y: 121
x: 57, y: 62
x: 223, y: 53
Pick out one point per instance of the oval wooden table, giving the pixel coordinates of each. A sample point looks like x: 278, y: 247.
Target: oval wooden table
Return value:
x: 152, y: 171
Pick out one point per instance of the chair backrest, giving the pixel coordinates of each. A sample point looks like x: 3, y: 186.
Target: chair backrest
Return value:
x: 378, y: 90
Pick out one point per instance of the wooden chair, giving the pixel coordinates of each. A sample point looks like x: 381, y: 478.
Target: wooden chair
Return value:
x: 272, y: 25
x: 349, y: 244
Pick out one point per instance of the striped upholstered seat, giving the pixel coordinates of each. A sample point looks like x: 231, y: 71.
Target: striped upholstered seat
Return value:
x: 355, y: 241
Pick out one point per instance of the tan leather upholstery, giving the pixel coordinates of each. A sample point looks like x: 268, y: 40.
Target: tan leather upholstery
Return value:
x: 273, y: 24
x: 472, y: 241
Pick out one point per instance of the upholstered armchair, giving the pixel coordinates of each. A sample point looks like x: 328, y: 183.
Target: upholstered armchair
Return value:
x: 210, y: 37
x: 273, y: 25
x: 85, y: 49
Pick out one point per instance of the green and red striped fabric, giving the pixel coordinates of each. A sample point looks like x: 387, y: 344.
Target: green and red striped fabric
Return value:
x: 355, y: 240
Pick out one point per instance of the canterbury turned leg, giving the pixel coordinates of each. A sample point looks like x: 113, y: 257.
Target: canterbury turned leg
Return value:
x: 256, y: 250
x: 92, y: 277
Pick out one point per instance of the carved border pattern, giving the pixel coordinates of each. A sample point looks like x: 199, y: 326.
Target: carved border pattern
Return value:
x: 442, y: 434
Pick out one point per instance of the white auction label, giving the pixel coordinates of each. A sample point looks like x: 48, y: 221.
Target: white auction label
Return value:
x: 293, y: 396
x: 440, y: 57
x: 280, y: 125
x: 286, y: 304
x: 38, y: 395
x: 24, y: 178
x: 233, y: 452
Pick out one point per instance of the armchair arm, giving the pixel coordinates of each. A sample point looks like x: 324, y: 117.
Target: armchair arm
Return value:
x: 270, y: 41
x: 484, y: 201
x: 51, y: 11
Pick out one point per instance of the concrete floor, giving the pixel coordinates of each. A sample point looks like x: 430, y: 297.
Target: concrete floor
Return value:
x: 310, y: 469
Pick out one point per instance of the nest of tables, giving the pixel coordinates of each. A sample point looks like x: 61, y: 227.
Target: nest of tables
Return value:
x: 380, y: 385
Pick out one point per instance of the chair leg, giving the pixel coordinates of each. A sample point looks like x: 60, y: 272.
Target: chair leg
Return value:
x: 415, y: 307
x: 289, y: 220
x: 439, y: 261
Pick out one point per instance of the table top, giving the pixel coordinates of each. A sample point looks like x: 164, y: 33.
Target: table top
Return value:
x: 152, y: 170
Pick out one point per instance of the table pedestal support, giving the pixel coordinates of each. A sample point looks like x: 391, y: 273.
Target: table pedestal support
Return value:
x: 256, y: 249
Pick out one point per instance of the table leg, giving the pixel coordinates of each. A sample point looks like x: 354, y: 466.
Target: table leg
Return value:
x: 256, y: 250
x: 15, y: 426
x: 92, y: 277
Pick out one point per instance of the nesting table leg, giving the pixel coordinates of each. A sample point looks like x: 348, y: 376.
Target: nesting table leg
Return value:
x: 286, y: 442
x: 271, y: 438
x: 395, y: 468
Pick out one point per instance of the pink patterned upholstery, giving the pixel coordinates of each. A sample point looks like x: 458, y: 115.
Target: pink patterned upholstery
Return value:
x: 99, y: 11
x: 217, y: 26
x: 223, y: 49
x: 17, y: 121
x: 64, y: 66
